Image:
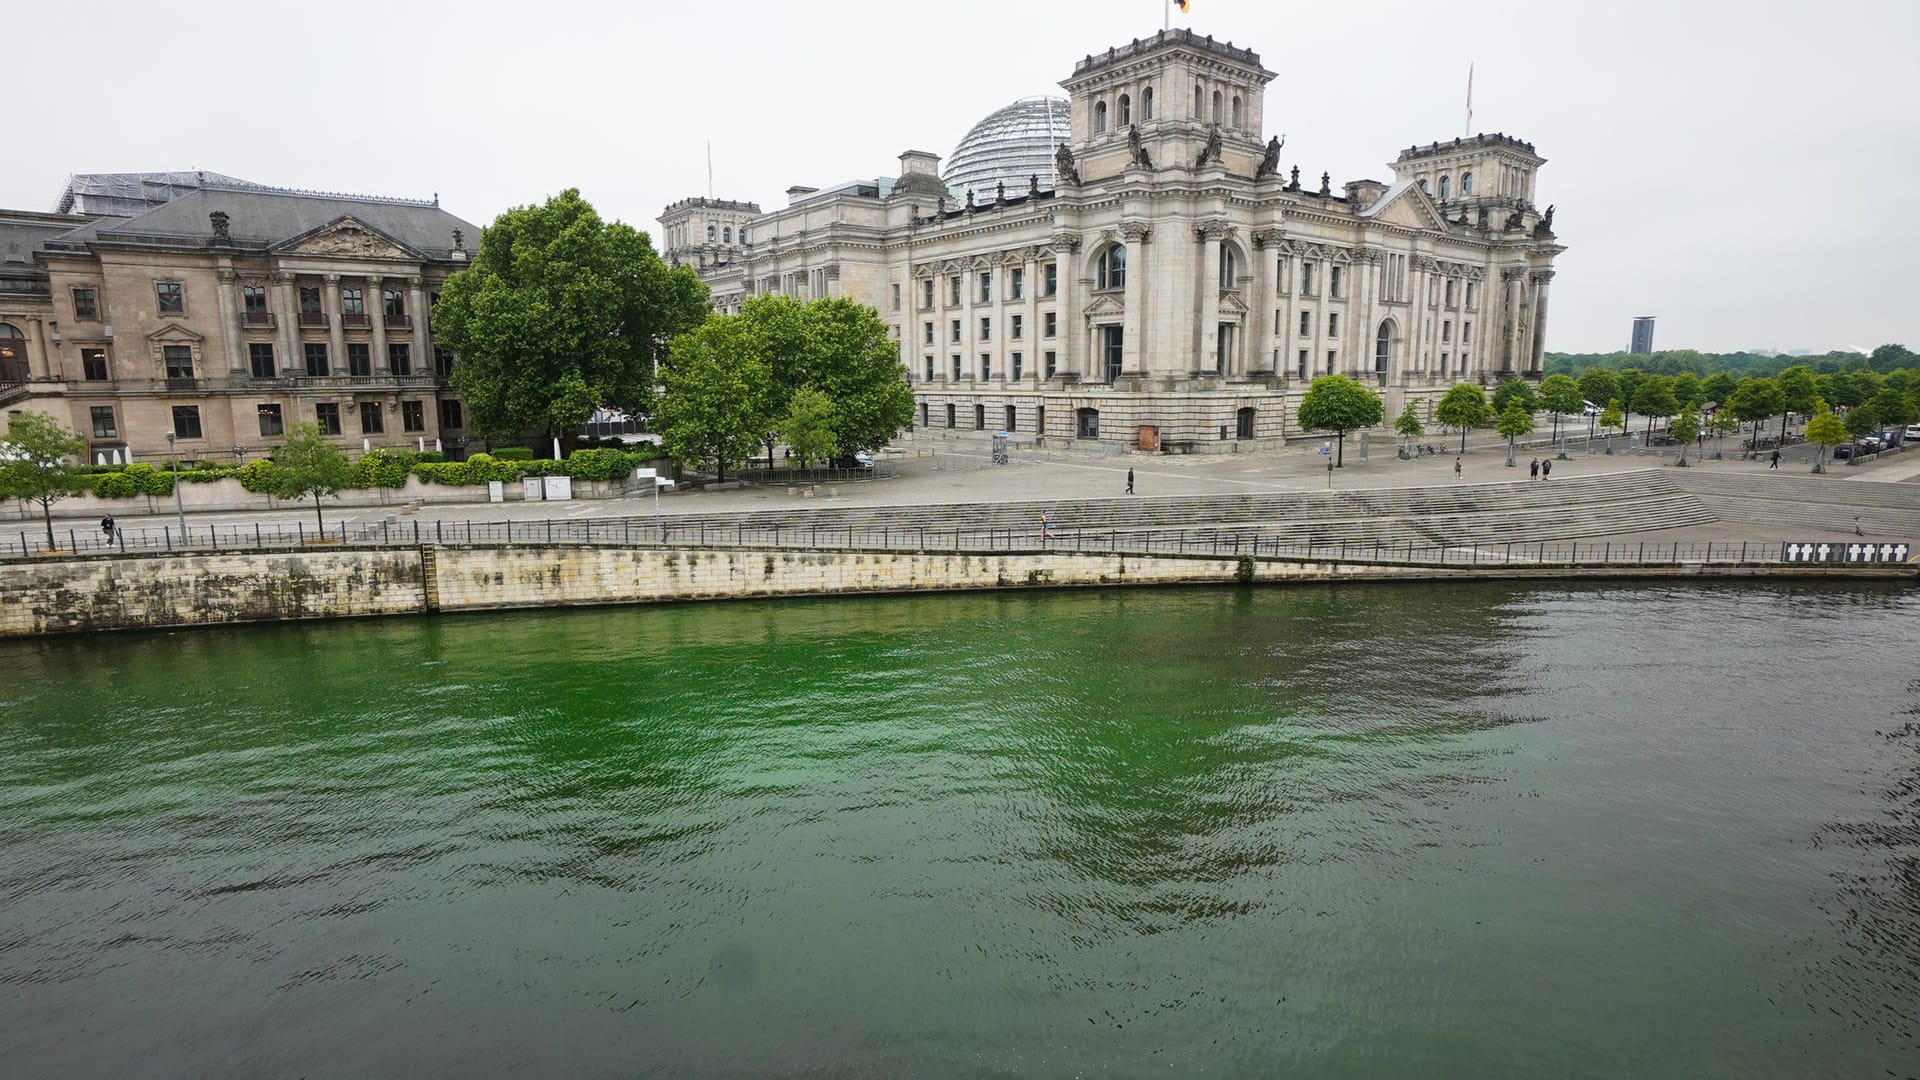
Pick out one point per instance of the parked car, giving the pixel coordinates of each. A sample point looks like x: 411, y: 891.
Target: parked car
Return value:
x: 859, y: 459
x: 1843, y: 451
x: 1912, y: 432
x: 1588, y: 408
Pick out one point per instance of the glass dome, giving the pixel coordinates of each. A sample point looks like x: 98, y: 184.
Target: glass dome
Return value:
x: 1009, y: 146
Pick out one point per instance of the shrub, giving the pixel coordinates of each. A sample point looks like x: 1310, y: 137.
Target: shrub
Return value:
x: 257, y: 476
x: 487, y: 467
x: 382, y: 468
x: 512, y: 453
x: 598, y: 464
x: 114, y: 485
x: 431, y: 457
x: 206, y: 475
x: 148, y: 480
x: 449, y: 473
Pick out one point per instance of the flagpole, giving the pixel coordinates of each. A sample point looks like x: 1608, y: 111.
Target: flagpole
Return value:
x: 1166, y: 14
x: 1469, y: 130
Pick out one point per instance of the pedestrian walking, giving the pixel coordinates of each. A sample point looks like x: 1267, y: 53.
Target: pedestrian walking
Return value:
x: 1533, y: 469
x: 1046, y: 527
x: 1775, y: 463
x: 107, y: 526
x: 1856, y: 528
x: 1456, y: 468
x: 1129, y: 481
x: 1546, y: 467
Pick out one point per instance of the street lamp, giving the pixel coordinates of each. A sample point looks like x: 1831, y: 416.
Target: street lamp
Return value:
x: 178, y: 509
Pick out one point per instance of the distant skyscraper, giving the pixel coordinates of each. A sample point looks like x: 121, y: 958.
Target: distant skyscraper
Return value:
x: 1642, y: 335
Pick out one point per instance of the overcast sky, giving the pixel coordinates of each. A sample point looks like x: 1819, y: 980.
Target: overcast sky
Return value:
x: 1737, y: 168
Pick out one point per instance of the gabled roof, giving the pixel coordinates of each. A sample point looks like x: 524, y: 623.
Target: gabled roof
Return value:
x: 1405, y: 204
x: 271, y: 218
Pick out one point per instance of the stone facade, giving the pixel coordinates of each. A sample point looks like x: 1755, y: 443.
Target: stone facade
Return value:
x: 229, y: 316
x: 1175, y: 281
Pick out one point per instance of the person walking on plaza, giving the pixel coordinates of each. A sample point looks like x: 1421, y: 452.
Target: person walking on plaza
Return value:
x: 1533, y: 469
x: 1456, y: 468
x: 1046, y: 527
x: 107, y: 526
x: 1546, y: 467
x: 1775, y: 463
x: 1129, y: 480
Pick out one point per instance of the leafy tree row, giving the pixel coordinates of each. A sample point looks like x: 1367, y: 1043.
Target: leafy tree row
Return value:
x: 1884, y: 360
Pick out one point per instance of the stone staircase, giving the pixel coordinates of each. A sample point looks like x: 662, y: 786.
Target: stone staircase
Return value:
x: 1822, y: 503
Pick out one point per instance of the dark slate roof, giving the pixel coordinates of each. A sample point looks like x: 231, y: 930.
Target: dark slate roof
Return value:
x: 24, y: 233
x: 263, y: 218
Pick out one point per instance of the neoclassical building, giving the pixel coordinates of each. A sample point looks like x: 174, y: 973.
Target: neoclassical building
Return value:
x: 226, y: 314
x: 1171, y: 279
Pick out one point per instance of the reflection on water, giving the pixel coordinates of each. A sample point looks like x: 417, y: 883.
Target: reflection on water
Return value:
x: 1482, y: 830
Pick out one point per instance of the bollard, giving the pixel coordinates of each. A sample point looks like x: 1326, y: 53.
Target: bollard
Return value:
x: 166, y: 531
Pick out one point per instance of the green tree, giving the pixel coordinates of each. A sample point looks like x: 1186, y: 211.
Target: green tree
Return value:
x: 1629, y: 382
x: 307, y: 464
x: 1720, y: 423
x: 717, y: 382
x: 1685, y: 428
x: 1463, y: 406
x: 1653, y: 399
x: 1893, y: 408
x: 1716, y: 388
x: 1754, y: 400
x: 1513, y: 390
x: 1561, y: 395
x: 1515, y: 421
x: 1861, y: 421
x: 34, y: 464
x: 808, y: 426
x: 1799, y: 389
x: 855, y: 363
x: 1339, y: 404
x: 561, y: 312
x: 1408, y: 424
x: 1686, y: 390
x: 1613, y: 416
x: 1598, y: 386
x: 1827, y: 430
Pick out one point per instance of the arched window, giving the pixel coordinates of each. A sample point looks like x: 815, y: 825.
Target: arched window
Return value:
x: 1383, y: 349
x: 743, y: 234
x: 726, y: 235
x: 1197, y: 114
x: 1243, y: 424
x: 1445, y: 188
x: 1099, y: 117
x: 1236, y: 113
x: 1112, y: 271
x: 1423, y: 185
x: 13, y: 354
x: 1146, y: 103
x: 1466, y: 184
x: 712, y: 234
x: 1229, y: 270
x: 1126, y: 110
x: 1216, y: 106
x: 1087, y: 423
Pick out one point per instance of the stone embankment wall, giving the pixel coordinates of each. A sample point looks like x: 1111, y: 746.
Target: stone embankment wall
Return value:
x: 112, y: 592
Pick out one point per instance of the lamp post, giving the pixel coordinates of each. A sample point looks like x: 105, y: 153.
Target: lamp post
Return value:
x: 178, y: 509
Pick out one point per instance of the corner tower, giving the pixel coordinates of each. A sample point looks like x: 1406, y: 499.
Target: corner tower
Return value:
x: 1163, y: 98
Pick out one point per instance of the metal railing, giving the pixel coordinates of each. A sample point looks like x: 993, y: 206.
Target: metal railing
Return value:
x: 676, y: 532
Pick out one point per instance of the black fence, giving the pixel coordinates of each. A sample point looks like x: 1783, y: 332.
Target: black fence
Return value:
x: 656, y: 532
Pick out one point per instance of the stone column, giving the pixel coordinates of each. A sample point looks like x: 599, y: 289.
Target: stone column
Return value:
x: 336, y: 334
x: 1542, y: 280
x: 1033, y: 346
x: 1134, y: 327
x: 376, y: 299
x: 1510, y: 315
x: 1262, y: 301
x: 1205, y: 337
x: 422, y: 341
x: 229, y: 320
x: 1360, y: 309
x: 1066, y: 306
x: 286, y: 312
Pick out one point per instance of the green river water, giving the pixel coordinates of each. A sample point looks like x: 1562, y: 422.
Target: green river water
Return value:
x: 1493, y: 830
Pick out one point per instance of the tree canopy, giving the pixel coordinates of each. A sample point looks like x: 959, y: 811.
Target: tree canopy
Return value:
x: 1561, y: 396
x: 1515, y: 421
x: 307, y: 464
x: 37, y: 463
x: 808, y: 426
x: 1408, y: 423
x: 1827, y: 430
x: 561, y: 313
x: 1513, y: 390
x: 1754, y: 400
x: 1463, y: 406
x: 718, y: 393
x: 1339, y: 404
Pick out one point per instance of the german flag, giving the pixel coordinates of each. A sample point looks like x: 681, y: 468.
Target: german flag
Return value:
x: 1182, y: 5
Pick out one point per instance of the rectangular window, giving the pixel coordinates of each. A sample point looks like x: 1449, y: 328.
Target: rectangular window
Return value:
x: 1019, y: 324
x: 956, y: 330
x: 103, y: 422
x: 443, y: 363
x: 953, y: 291
x: 351, y: 302
x: 1052, y: 363
x: 956, y: 367
x: 271, y: 422
x: 1306, y: 279
x: 926, y: 294
x: 1333, y: 281
x: 949, y: 414
x: 929, y: 369
x: 1303, y: 363
x: 986, y: 287
x: 86, y: 303
x: 260, y: 359
x: 896, y: 297
x: 1443, y: 364
x: 393, y: 303
x: 1017, y: 366
x: 1016, y: 283
x: 1306, y: 323
x: 1051, y: 285
x: 986, y: 328
x: 1466, y: 333
x: 186, y: 421
x: 179, y: 360
x: 986, y: 367
x: 93, y: 365
x: 1449, y: 292
x: 359, y: 358
x: 173, y: 297
x: 371, y: 422
x: 327, y: 415
x: 316, y: 356
x: 1280, y: 277
x: 1050, y: 323
x: 310, y: 301
x: 1331, y: 357
x: 413, y: 416
x: 926, y: 333
x: 979, y: 418
x: 399, y: 359
x: 1470, y: 293
x: 1446, y: 330
x: 1333, y: 324
x: 253, y: 299
x: 450, y: 417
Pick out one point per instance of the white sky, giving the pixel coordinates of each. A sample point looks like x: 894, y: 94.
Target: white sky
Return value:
x: 1734, y: 167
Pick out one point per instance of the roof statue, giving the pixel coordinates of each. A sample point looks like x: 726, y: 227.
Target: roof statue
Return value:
x: 221, y: 228
x: 1270, y: 162
x: 1138, y: 150
x: 1211, y: 151
x: 1063, y: 166
x: 1294, y: 184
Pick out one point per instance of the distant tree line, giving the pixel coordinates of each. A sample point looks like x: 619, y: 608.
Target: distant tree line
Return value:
x: 1883, y: 360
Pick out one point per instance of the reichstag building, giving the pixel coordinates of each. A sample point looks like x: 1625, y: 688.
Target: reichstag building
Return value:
x: 1139, y: 263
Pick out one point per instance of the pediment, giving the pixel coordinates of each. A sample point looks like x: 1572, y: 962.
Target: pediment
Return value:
x: 1411, y: 208
x: 1104, y: 305
x: 348, y: 237
x: 175, y: 332
x: 1232, y: 305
